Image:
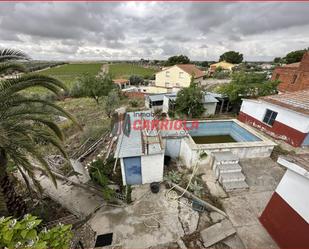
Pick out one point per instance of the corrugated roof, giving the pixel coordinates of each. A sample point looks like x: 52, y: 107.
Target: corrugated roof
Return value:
x: 208, y: 98
x: 156, y: 97
x: 192, y: 70
x: 134, y: 144
x: 296, y: 101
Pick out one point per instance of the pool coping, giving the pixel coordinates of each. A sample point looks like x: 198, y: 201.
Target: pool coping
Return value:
x: 264, y: 140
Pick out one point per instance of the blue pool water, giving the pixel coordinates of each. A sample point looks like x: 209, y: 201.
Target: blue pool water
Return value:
x: 223, y: 128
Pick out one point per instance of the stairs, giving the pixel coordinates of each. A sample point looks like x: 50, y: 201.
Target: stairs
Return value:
x: 228, y: 171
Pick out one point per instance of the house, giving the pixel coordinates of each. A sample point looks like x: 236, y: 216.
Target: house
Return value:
x: 221, y: 64
x: 293, y: 77
x: 286, y: 216
x: 122, y: 83
x: 178, y: 76
x: 282, y: 116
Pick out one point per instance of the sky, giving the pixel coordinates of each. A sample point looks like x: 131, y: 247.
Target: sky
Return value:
x: 153, y: 30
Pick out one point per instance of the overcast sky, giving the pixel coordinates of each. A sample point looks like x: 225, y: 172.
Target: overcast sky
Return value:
x: 129, y: 30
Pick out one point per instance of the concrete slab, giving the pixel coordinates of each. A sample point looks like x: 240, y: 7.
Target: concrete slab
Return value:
x: 234, y: 242
x: 213, y: 185
x: 217, y: 232
x: 150, y: 221
x: 239, y: 211
x: 216, y: 217
x: 258, y: 201
x: 255, y: 236
x: 77, y: 200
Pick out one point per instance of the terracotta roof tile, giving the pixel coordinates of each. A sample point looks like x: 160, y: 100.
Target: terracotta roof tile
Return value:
x: 192, y: 70
x: 297, y: 101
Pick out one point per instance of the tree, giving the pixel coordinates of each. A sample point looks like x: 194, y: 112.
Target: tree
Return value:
x: 177, y: 59
x: 232, y: 57
x: 26, y: 123
x: 25, y: 233
x: 93, y: 86
x: 205, y: 64
x: 112, y: 102
x: 295, y: 56
x: 136, y: 80
x: 277, y: 60
x: 248, y: 85
x: 189, y: 101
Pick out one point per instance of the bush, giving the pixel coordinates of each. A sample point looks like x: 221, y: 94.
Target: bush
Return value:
x: 133, y: 103
x: 221, y: 75
x: 136, y: 80
x: 25, y: 233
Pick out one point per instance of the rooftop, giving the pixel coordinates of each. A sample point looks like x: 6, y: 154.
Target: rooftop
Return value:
x: 139, y: 141
x: 192, y: 70
x: 296, y: 101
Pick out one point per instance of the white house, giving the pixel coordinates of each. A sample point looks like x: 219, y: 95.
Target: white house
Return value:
x: 286, y: 216
x: 283, y: 116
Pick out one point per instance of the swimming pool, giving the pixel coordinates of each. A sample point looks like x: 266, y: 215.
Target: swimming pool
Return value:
x: 223, y: 135
x: 222, y: 131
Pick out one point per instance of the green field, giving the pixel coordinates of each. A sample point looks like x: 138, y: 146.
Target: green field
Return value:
x: 69, y: 73
x: 125, y: 70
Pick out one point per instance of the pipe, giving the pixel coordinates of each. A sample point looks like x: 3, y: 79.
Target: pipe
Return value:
x: 194, y: 197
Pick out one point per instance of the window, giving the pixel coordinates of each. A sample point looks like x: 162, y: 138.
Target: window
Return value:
x: 294, y: 79
x: 270, y: 117
x: 167, y: 74
x: 180, y: 75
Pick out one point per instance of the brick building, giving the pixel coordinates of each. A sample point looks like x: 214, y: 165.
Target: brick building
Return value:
x: 293, y: 77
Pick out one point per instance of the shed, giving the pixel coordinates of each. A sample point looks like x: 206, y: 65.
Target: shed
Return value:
x: 286, y: 216
x: 140, y: 151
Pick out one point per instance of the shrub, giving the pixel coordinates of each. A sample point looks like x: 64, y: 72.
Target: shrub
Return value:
x: 133, y: 103
x: 25, y: 233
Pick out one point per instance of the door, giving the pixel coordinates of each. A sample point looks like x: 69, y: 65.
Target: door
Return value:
x: 133, y: 170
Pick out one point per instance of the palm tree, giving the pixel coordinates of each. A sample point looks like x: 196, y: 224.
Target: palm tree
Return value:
x: 26, y: 123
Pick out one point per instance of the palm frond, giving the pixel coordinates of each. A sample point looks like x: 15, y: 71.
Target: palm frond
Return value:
x: 24, y: 82
x: 12, y: 54
x: 9, y: 67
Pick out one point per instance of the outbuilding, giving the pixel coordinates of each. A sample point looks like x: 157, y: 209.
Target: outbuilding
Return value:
x: 282, y: 116
x: 286, y: 216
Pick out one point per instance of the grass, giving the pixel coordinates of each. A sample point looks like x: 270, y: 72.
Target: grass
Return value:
x: 125, y: 70
x: 69, y: 73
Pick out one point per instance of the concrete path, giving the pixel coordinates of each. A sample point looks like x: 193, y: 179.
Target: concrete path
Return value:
x: 77, y: 200
x: 244, y: 208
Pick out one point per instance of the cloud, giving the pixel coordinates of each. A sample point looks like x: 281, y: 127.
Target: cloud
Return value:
x: 153, y: 30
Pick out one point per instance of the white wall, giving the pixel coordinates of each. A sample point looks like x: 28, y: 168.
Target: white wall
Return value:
x: 122, y: 171
x: 165, y: 104
x: 210, y: 109
x: 173, y: 78
x: 257, y: 110
x: 172, y: 147
x: 294, y: 189
x: 152, y: 168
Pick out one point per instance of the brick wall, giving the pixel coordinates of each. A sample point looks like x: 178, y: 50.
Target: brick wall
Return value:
x: 293, y: 78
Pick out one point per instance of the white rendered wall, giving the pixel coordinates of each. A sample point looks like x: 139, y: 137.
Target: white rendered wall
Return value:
x: 152, y: 168
x: 294, y: 189
x: 165, y: 104
x: 122, y: 171
x: 257, y: 110
x: 210, y: 108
